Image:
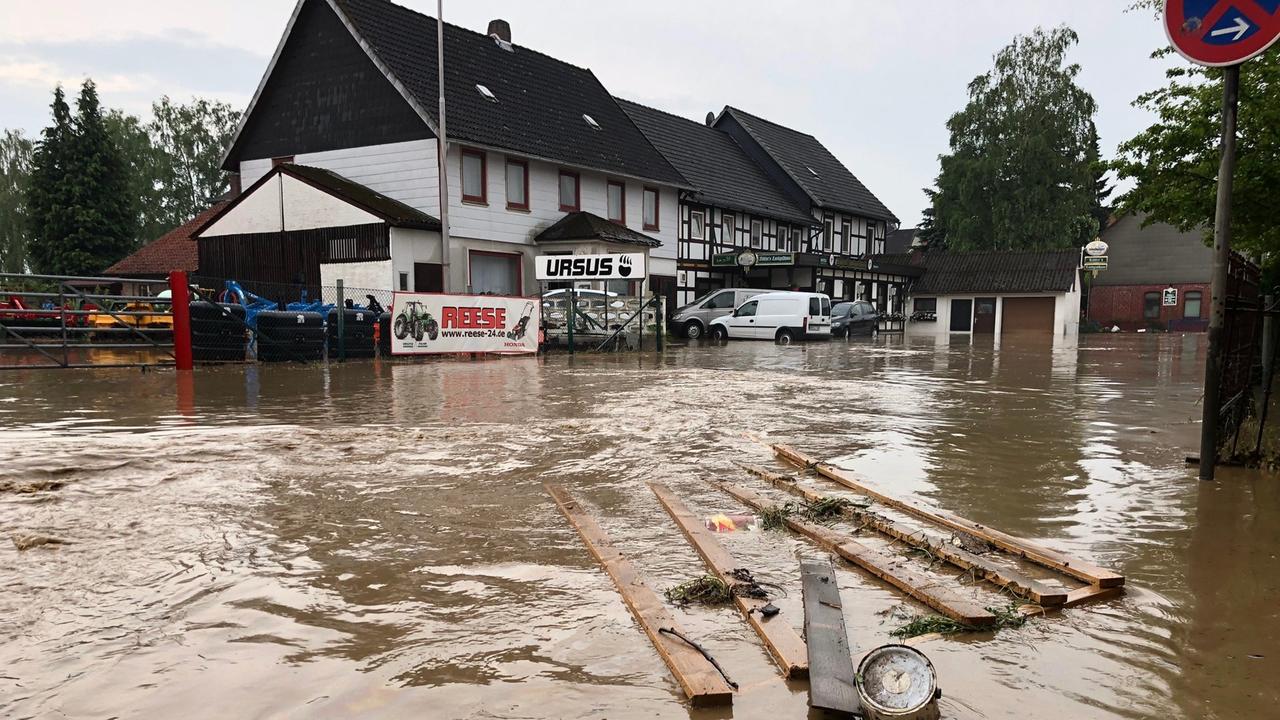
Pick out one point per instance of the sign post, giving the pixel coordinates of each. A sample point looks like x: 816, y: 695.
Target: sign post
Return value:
x: 1220, y: 33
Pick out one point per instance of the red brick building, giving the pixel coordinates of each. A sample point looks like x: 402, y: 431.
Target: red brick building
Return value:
x: 1157, y: 278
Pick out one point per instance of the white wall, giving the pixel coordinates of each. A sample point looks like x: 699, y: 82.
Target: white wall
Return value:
x: 374, y: 275
x: 256, y: 213
x: 1066, y: 313
x: 407, y: 172
x: 410, y: 246
x: 308, y: 208
x: 403, y: 171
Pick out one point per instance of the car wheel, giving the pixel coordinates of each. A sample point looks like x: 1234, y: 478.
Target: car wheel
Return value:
x: 719, y: 333
x: 786, y: 336
x: 693, y: 329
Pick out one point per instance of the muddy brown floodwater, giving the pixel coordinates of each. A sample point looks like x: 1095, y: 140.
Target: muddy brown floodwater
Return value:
x: 373, y: 540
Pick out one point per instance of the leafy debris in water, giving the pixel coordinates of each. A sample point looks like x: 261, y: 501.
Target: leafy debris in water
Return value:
x: 819, y: 511
x: 1006, y: 617
x: 705, y: 590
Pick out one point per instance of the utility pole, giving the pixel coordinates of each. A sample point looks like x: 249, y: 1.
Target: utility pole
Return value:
x: 443, y: 151
x: 1221, y: 261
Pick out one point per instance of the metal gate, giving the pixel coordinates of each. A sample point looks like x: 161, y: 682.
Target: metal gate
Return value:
x: 1242, y: 367
x: 58, y: 321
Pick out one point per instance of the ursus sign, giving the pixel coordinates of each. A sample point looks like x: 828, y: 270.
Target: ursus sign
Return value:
x: 623, y: 266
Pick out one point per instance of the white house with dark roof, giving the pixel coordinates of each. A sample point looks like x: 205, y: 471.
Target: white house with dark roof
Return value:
x: 538, y: 153
x: 351, y: 89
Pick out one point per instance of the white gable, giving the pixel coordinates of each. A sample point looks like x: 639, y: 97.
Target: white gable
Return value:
x: 287, y: 203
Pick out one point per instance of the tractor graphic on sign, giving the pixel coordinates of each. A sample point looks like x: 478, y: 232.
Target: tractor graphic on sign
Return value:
x: 413, y: 320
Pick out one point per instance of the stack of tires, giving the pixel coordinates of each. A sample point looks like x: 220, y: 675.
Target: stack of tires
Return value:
x: 384, y: 335
x: 217, y: 332
x: 357, y: 330
x: 290, y: 336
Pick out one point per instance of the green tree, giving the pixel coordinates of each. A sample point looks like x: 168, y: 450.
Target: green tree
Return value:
x: 143, y: 161
x: 50, y: 197
x: 1022, y: 171
x: 82, y: 215
x: 15, y: 171
x: 189, y: 141
x: 1174, y: 163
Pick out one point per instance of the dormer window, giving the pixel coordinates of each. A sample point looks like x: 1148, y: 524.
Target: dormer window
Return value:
x: 591, y: 121
x: 486, y: 93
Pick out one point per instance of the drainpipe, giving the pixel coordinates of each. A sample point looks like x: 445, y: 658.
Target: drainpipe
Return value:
x: 442, y: 151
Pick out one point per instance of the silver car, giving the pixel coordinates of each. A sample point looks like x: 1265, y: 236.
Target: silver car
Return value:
x: 692, y: 320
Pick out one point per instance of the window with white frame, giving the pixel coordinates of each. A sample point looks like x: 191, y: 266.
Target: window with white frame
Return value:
x: 846, y: 236
x: 650, y: 201
x: 618, y: 202
x: 827, y: 231
x: 697, y: 225
x: 797, y: 238
x: 757, y: 233
x: 726, y: 233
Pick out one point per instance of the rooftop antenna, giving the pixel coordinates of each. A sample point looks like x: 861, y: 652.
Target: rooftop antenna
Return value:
x: 442, y: 151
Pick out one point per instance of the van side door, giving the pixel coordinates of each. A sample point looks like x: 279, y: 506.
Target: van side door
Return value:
x: 743, y: 322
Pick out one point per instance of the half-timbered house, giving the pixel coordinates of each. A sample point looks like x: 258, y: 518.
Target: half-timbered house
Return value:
x: 850, y: 223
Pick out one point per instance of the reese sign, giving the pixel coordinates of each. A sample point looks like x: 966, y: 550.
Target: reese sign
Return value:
x: 427, y: 324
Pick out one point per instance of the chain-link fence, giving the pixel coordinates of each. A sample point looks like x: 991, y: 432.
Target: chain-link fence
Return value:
x: 235, y: 321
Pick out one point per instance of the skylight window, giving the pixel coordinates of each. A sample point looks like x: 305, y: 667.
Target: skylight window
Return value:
x: 591, y: 121
x: 811, y: 171
x: 486, y: 93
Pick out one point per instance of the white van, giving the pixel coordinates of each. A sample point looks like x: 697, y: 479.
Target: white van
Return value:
x: 781, y: 316
x: 694, y: 320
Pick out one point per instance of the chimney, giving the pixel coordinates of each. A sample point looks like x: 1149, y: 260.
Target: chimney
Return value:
x: 235, y: 184
x: 500, y: 30
x: 711, y: 119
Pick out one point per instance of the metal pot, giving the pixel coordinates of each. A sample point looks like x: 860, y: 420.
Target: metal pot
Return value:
x: 897, y: 682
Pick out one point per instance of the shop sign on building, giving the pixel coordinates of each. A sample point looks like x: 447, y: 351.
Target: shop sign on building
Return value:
x: 428, y: 324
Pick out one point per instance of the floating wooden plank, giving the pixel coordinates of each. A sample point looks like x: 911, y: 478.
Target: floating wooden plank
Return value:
x: 832, y: 685
x: 779, y: 637
x: 700, y: 680
x: 1018, y: 583
x: 1040, y: 555
x: 893, y: 570
x: 1079, y: 596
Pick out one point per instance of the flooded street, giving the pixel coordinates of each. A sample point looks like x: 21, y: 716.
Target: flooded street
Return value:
x: 374, y: 540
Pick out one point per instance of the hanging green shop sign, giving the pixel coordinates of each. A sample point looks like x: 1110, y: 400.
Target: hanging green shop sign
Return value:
x: 752, y: 258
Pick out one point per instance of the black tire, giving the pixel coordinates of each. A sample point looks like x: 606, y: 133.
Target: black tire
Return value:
x: 402, y: 327
x: 786, y: 336
x: 433, y: 329
x: 693, y: 330
x: 417, y: 330
x: 719, y: 333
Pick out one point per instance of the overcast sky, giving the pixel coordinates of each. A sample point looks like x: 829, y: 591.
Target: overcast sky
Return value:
x: 874, y: 81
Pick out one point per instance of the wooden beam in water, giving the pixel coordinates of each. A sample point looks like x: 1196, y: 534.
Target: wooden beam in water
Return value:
x: 784, y: 645
x: 1020, y: 584
x: 893, y: 570
x: 701, y: 682
x: 832, y: 685
x: 1040, y: 555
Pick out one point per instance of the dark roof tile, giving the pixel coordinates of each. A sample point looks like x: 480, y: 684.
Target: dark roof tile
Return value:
x: 583, y: 225
x: 540, y: 100
x: 823, y: 178
x: 719, y: 170
x: 950, y: 273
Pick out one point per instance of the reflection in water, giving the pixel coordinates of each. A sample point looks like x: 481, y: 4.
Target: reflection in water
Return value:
x: 373, y: 539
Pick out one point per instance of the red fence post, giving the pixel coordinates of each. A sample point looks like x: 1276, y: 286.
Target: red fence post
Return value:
x: 181, y: 294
